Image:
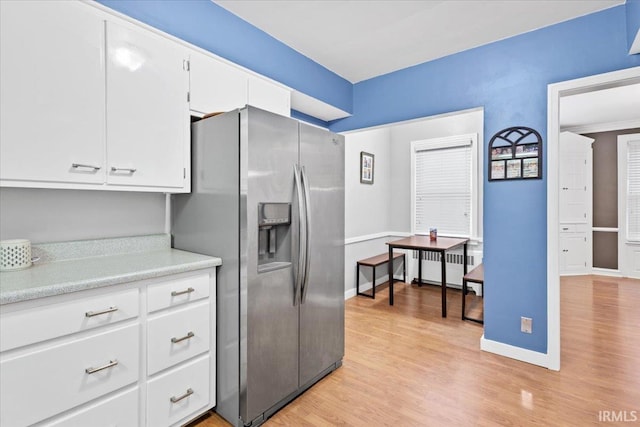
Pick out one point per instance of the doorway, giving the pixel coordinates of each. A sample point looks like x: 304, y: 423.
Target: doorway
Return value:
x: 556, y: 92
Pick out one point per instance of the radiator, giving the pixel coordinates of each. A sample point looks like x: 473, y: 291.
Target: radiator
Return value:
x: 431, y: 267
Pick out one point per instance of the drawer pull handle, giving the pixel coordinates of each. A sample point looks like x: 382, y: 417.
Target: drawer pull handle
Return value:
x: 186, y: 291
x: 186, y: 337
x: 176, y: 399
x: 111, y: 364
x: 81, y: 165
x: 128, y: 170
x: 98, y: 313
x: 565, y: 228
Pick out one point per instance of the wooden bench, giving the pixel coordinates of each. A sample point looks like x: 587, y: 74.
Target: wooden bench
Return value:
x: 476, y: 276
x: 376, y: 261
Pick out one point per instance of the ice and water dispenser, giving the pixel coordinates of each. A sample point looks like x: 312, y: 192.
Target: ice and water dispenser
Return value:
x: 274, y: 236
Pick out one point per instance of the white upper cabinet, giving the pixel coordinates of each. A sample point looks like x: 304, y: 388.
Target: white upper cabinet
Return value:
x: 216, y: 86
x: 269, y: 96
x: 90, y: 101
x: 52, y: 108
x: 575, y: 178
x: 147, y: 108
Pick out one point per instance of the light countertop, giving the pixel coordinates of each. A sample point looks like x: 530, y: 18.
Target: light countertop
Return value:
x: 110, y: 262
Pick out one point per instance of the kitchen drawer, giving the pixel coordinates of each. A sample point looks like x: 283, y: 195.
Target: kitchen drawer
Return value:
x: 23, y: 327
x: 121, y: 410
x: 43, y: 383
x: 190, y: 381
x: 177, y: 292
x: 189, y: 326
x: 573, y: 228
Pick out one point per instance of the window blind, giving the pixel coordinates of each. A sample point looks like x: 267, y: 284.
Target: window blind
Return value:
x: 633, y: 191
x: 443, y: 190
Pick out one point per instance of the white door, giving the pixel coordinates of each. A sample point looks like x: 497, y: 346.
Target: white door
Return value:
x: 629, y: 204
x: 52, y: 103
x: 147, y: 108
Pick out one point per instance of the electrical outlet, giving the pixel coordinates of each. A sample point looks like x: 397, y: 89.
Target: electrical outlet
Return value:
x: 526, y: 325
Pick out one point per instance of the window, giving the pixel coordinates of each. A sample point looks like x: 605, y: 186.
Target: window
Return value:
x: 633, y: 191
x: 444, y: 193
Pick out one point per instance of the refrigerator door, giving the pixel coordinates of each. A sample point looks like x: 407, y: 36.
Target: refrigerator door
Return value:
x: 322, y: 303
x: 268, y: 310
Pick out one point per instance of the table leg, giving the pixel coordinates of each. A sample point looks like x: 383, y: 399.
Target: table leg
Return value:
x: 444, y: 283
x: 464, y: 260
x: 404, y: 268
x: 373, y: 285
x: 464, y: 296
x: 419, y: 267
x: 390, y: 267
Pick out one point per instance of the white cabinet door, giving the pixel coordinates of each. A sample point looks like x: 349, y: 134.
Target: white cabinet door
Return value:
x: 45, y: 382
x: 177, y: 336
x: 52, y: 103
x: 573, y: 253
x: 268, y: 96
x: 216, y: 86
x: 120, y: 410
x: 575, y: 178
x: 179, y: 394
x: 147, y: 108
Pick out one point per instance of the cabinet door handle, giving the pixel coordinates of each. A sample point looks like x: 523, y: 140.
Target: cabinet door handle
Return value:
x: 129, y: 170
x: 81, y: 165
x: 186, y: 291
x: 111, y: 364
x: 98, y: 313
x: 186, y: 337
x: 176, y: 399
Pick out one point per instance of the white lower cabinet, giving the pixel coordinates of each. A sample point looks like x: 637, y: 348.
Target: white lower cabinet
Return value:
x: 178, y: 336
x: 174, y: 395
x: 121, y: 410
x: 136, y: 354
x: 67, y: 375
x: 574, y: 250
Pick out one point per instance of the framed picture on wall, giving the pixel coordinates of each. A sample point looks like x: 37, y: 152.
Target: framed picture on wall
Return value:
x: 366, y: 168
x: 497, y: 169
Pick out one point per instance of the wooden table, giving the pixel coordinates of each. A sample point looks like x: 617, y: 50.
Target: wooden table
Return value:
x: 422, y: 244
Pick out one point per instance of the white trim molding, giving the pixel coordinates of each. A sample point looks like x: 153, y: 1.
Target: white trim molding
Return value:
x: 555, y: 91
x: 518, y: 353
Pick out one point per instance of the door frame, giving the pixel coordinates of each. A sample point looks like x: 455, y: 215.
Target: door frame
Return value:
x: 554, y: 92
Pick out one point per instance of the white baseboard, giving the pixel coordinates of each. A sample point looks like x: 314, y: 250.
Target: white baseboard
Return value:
x: 522, y: 354
x: 350, y: 293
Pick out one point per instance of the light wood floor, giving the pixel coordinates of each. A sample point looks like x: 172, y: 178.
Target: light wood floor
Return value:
x: 406, y: 366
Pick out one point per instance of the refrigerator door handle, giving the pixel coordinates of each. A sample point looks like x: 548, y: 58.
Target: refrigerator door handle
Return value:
x: 307, y: 220
x: 302, y: 234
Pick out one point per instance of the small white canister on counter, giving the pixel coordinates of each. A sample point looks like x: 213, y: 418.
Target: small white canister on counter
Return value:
x: 15, y: 254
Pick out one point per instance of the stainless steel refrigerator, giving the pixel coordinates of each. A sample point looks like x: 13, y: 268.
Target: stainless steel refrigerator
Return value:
x: 268, y: 198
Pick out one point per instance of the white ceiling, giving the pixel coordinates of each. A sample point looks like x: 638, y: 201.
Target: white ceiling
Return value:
x: 361, y: 39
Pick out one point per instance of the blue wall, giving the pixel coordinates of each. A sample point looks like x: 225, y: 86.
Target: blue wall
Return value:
x: 509, y: 79
x: 633, y: 20
x: 209, y: 26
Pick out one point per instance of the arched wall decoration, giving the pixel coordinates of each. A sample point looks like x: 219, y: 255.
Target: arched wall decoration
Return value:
x: 515, y: 153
